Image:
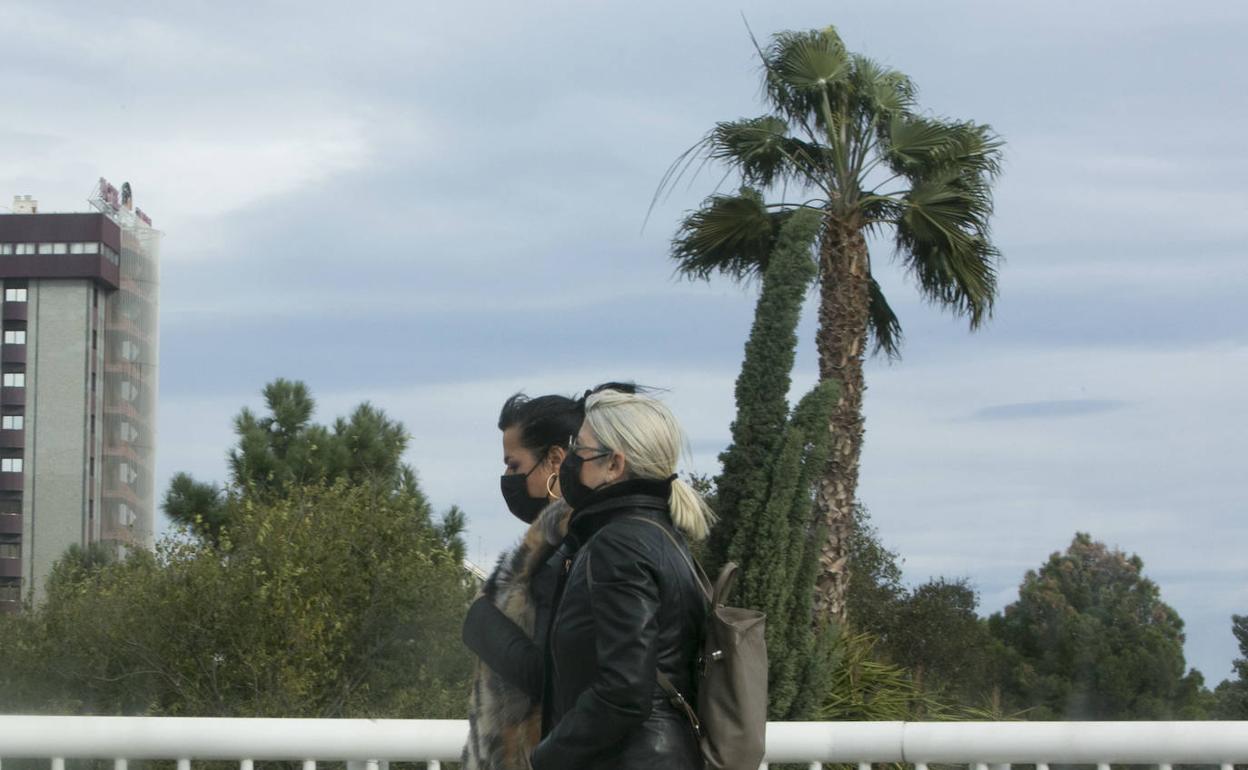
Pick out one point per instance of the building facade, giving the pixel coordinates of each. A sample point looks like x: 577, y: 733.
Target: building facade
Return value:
x: 78, y: 401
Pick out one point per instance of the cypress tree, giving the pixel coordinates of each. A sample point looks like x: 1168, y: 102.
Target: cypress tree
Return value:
x: 762, y: 388
x: 765, y: 491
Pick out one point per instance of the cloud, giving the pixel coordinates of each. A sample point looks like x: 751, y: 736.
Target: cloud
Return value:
x: 1047, y: 409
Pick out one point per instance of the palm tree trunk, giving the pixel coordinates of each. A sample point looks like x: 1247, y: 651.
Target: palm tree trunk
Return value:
x: 842, y: 338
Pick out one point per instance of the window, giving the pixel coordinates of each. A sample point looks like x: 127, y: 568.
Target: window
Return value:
x: 11, y: 465
x: 60, y: 248
x: 10, y: 550
x: 129, y: 350
x: 11, y: 591
x: 90, y: 248
x: 24, y: 248
x: 14, y: 295
x: 12, y: 422
x: 45, y: 248
x: 10, y: 506
x: 15, y: 379
x: 6, y: 248
x: 129, y: 391
x: 125, y: 515
x: 128, y: 432
x: 15, y: 337
x: 126, y: 474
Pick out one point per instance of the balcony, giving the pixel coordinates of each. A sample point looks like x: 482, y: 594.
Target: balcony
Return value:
x: 374, y: 743
x: 124, y: 409
x: 11, y: 482
x: 15, y: 311
x: 118, y: 451
x: 12, y: 439
x: 123, y: 494
x: 13, y: 396
x: 123, y: 325
x: 13, y: 354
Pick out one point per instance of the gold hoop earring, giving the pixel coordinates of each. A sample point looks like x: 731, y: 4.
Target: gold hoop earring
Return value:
x: 551, y: 480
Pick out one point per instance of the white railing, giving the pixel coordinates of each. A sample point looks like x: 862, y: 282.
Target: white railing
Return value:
x: 375, y: 742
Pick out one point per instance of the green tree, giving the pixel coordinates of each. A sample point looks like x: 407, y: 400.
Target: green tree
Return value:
x: 317, y: 584
x: 933, y: 631
x: 284, y: 450
x: 875, y: 595
x: 764, y: 492
x: 1092, y: 639
x: 1231, y: 696
x: 330, y: 601
x: 198, y: 506
x: 938, y: 636
x: 846, y: 137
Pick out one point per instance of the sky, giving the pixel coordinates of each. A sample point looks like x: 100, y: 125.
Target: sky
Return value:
x: 430, y: 206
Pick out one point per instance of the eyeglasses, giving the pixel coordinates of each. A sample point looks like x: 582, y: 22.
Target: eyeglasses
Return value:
x: 576, y: 448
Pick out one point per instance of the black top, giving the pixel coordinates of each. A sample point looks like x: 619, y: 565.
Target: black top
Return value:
x: 627, y: 606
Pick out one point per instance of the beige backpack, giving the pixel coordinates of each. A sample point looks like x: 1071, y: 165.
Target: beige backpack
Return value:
x: 730, y: 719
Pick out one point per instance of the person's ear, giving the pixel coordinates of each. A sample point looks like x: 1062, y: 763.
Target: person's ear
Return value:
x: 555, y: 457
x: 617, y: 467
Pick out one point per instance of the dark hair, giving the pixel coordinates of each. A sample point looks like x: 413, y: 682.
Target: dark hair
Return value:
x: 630, y: 388
x: 544, y: 422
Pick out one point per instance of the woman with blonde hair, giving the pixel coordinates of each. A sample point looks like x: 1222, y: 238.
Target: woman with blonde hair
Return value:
x: 629, y: 609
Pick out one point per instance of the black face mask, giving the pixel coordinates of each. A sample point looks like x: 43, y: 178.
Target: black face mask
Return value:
x: 574, y: 492
x: 515, y: 487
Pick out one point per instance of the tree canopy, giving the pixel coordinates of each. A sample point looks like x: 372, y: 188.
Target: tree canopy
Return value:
x: 283, y: 449
x: 318, y: 585
x: 1092, y: 639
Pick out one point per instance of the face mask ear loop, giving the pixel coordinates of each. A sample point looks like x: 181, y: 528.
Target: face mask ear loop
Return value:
x: 551, y: 480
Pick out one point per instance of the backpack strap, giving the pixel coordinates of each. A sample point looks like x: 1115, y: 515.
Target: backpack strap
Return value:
x: 678, y: 700
x: 699, y: 574
x: 713, y: 596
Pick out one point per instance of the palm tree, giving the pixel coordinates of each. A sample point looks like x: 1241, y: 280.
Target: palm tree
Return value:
x: 843, y: 135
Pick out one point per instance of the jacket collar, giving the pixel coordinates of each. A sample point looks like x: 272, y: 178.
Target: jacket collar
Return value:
x: 607, y: 503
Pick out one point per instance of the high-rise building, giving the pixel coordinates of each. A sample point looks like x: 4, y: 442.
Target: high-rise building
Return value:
x: 78, y: 401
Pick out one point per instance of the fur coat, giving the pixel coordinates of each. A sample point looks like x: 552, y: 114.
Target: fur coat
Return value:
x: 504, y: 724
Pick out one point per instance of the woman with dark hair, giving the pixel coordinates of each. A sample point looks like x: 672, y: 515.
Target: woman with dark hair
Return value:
x: 507, y: 625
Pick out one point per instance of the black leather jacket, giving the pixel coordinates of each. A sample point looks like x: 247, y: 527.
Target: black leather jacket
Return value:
x: 627, y: 605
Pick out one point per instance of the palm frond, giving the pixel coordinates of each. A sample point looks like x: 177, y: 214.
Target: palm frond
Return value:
x: 799, y: 69
x: 942, y: 237
x: 753, y: 145
x: 810, y: 61
x: 729, y: 234
x: 918, y: 147
x: 762, y: 150
x: 879, y: 91
x: 883, y: 324
x: 942, y: 220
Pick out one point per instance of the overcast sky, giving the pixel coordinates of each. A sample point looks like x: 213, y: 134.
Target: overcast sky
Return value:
x: 432, y: 205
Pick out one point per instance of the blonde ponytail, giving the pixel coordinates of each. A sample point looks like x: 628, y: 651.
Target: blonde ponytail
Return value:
x: 690, y: 513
